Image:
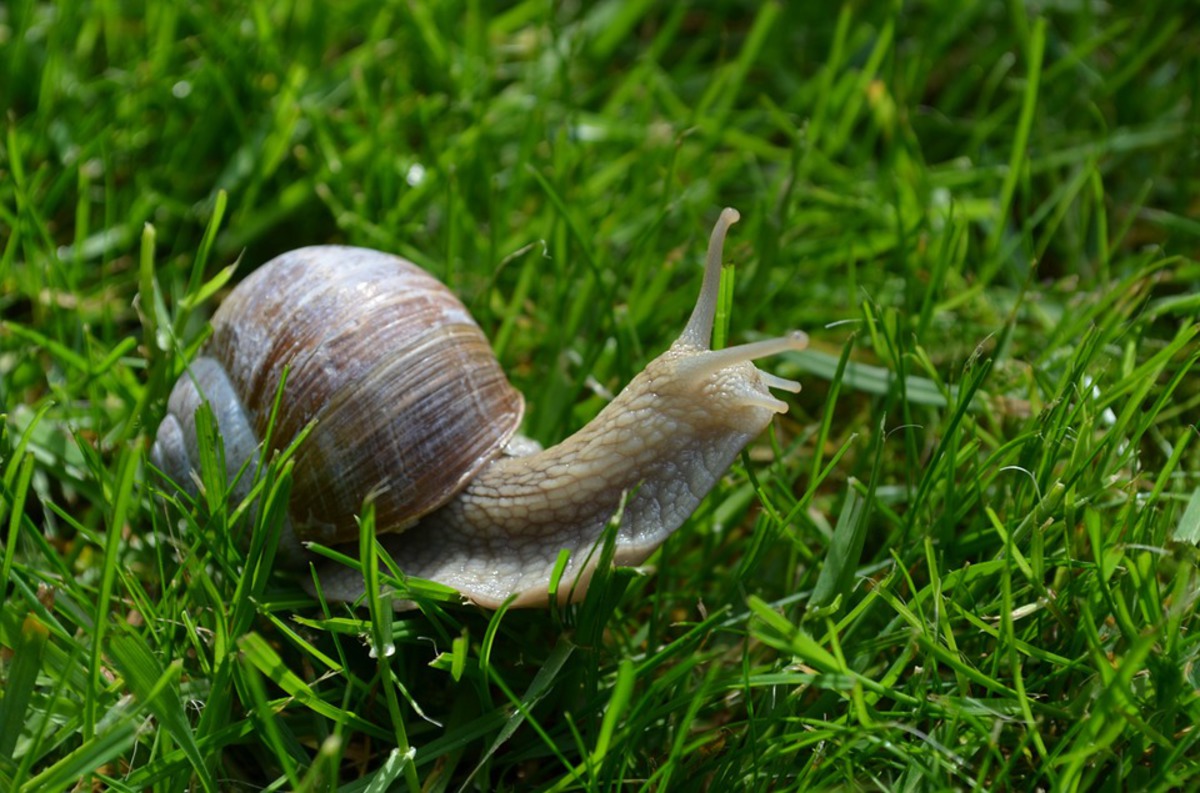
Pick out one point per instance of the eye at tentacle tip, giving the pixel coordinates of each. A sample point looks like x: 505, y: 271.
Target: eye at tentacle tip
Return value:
x: 798, y: 339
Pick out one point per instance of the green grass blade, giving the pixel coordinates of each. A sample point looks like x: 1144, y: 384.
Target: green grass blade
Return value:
x: 1188, y: 528
x: 20, y: 685
x: 157, y: 689
x: 845, y: 549
x: 1020, y: 143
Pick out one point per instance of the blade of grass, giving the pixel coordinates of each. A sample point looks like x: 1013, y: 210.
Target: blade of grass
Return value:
x: 1020, y: 144
x: 157, y: 690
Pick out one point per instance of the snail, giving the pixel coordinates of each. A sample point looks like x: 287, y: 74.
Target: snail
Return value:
x: 411, y: 410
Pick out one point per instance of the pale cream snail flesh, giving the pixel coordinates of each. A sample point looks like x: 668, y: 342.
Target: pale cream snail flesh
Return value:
x: 411, y: 410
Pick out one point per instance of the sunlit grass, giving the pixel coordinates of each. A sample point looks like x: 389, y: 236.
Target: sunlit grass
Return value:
x: 966, y: 557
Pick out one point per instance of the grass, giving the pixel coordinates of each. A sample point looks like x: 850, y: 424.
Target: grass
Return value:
x: 966, y: 558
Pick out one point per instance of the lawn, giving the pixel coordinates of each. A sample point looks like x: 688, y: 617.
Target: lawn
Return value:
x: 965, y: 558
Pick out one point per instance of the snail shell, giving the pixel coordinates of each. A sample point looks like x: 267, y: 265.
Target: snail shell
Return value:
x: 407, y: 399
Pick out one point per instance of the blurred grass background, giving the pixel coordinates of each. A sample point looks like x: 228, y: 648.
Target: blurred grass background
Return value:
x: 965, y: 559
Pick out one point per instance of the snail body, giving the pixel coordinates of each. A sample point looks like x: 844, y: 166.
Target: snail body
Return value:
x: 410, y: 409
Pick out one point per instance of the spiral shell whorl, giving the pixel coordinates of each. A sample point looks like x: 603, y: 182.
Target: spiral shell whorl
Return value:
x: 408, y: 399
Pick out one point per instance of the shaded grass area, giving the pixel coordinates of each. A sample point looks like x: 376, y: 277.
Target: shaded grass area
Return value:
x: 965, y: 558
